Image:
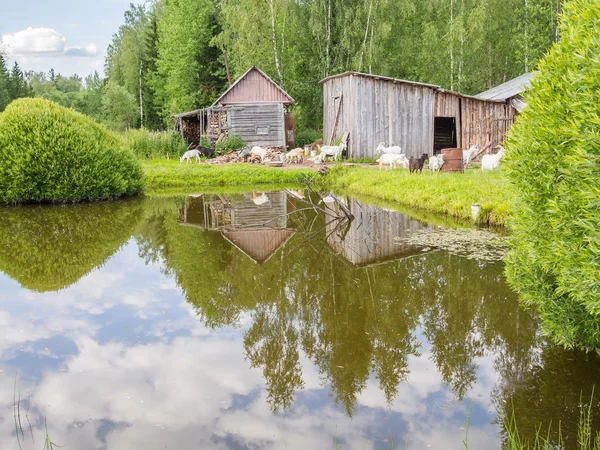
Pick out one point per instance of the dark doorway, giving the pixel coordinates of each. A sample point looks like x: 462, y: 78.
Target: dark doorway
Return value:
x: 444, y: 133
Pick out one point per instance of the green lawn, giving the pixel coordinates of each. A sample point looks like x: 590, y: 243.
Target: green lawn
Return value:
x: 160, y: 174
x: 441, y: 193
x: 445, y: 193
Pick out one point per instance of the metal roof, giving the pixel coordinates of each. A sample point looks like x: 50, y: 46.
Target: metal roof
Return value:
x: 509, y: 89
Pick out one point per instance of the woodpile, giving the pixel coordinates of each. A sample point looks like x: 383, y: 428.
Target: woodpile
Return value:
x: 273, y: 154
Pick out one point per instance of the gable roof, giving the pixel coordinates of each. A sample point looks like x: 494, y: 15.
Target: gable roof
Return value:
x: 254, y: 87
x: 258, y: 245
x: 509, y: 89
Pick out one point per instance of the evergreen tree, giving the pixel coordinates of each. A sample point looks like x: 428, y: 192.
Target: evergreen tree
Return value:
x: 4, y: 84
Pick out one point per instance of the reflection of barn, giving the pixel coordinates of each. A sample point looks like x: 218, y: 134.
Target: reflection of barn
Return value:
x: 256, y: 224
x: 370, y: 238
x: 254, y: 108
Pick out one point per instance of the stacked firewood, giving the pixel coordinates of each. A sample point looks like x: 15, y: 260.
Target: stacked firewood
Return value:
x: 244, y: 156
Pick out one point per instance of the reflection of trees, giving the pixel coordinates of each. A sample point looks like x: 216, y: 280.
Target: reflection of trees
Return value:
x: 49, y: 247
x: 551, y: 390
x: 351, y: 322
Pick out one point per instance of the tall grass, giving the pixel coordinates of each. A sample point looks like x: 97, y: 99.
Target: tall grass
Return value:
x: 145, y: 144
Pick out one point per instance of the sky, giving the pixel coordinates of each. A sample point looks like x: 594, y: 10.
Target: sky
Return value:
x: 70, y: 36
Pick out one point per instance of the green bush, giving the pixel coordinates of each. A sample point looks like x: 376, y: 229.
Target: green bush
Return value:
x: 233, y: 142
x: 553, y: 156
x: 51, y: 153
x: 307, y: 136
x: 150, y: 144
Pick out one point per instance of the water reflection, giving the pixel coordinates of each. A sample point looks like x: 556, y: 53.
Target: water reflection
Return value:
x: 202, y: 333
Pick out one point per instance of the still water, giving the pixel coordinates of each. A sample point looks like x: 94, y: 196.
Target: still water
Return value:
x: 253, y: 321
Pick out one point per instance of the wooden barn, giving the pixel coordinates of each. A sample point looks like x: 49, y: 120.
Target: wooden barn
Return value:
x: 254, y: 108
x: 418, y: 117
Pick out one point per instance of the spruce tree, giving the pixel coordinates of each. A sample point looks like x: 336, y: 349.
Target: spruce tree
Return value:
x: 4, y: 85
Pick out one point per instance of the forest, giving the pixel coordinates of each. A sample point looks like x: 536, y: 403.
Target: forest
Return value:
x: 169, y: 56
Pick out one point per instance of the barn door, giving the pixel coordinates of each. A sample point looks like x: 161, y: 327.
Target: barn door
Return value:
x: 290, y: 131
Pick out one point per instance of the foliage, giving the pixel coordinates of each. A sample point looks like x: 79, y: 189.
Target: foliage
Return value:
x: 307, y: 136
x: 51, y: 153
x: 118, y: 106
x: 446, y: 193
x: 554, y: 164
x: 232, y: 142
x: 41, y: 259
x: 4, y: 93
x: 147, y: 144
x: 13, y: 84
x: 171, y: 174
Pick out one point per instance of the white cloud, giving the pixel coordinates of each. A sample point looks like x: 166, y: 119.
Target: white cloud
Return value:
x: 43, y: 42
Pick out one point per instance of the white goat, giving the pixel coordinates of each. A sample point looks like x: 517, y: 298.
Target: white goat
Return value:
x: 468, y: 154
x: 334, y: 151
x: 259, y: 152
x: 491, y: 162
x: 189, y: 155
x: 382, y: 149
x: 402, y: 163
x: 436, y: 163
x: 294, y: 155
x: 391, y: 159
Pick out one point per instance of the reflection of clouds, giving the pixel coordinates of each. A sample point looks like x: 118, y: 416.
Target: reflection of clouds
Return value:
x: 189, y: 386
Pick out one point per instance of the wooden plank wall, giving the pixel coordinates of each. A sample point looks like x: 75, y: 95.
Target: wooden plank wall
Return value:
x: 375, y: 111
x: 244, y: 119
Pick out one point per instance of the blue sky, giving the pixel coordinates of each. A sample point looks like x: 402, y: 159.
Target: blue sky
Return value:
x: 70, y: 36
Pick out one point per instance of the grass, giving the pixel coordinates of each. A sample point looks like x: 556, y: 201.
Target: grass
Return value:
x: 161, y: 174
x: 446, y: 193
x: 450, y: 194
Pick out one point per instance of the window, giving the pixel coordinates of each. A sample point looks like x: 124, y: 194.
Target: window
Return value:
x: 262, y: 130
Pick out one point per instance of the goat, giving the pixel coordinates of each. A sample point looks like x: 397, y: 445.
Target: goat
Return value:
x: 436, y: 162
x: 334, y: 151
x: 189, y: 155
x: 401, y: 162
x: 383, y: 150
x: 294, y: 155
x: 259, y: 152
x: 491, y: 162
x: 416, y: 164
x: 468, y: 154
x: 244, y: 153
x: 391, y: 159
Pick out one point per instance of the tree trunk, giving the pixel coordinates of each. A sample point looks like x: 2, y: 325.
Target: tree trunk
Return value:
x: 451, y: 45
x: 274, y: 38
x: 364, y: 45
x: 141, y: 98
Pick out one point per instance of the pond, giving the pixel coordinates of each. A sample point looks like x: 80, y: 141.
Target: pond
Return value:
x: 256, y: 321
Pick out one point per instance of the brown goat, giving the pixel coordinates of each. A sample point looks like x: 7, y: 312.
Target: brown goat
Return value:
x: 416, y: 164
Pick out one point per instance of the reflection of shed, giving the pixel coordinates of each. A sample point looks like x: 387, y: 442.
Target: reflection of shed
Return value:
x: 254, y: 108
x: 420, y: 118
x: 255, y: 224
x: 371, y: 236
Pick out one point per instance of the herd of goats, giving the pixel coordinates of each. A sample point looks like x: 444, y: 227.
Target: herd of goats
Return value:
x: 391, y: 156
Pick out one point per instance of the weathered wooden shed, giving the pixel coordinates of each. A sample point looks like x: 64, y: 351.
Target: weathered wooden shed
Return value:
x: 418, y: 117
x: 254, y: 108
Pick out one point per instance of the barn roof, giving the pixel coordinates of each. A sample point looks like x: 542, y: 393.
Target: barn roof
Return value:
x: 379, y: 77
x: 254, y: 86
x: 399, y: 80
x: 509, y: 89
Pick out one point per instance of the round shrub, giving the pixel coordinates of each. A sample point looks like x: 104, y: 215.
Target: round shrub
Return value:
x: 51, y: 153
x: 553, y: 159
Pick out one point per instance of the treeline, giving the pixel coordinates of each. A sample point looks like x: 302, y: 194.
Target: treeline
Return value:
x: 169, y: 54
x: 13, y: 83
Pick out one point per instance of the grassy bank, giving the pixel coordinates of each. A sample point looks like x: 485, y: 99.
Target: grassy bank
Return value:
x: 161, y: 174
x: 443, y: 193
